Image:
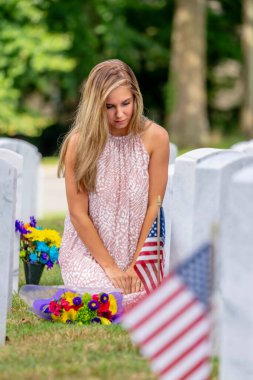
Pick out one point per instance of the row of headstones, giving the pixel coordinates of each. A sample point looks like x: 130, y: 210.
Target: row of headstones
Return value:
x: 211, y: 189
x: 19, y: 168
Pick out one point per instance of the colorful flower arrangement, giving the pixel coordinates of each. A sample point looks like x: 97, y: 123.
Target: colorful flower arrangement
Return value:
x: 38, y: 245
x: 67, y: 306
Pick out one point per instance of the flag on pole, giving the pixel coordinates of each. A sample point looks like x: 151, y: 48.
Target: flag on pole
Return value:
x: 171, y: 325
x: 148, y: 262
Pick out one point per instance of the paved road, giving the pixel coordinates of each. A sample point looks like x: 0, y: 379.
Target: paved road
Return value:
x: 52, y: 193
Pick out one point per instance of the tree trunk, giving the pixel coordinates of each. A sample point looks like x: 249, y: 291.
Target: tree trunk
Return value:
x: 186, y: 112
x: 246, y: 122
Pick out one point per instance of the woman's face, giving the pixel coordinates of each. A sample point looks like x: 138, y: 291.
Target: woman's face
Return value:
x: 119, y: 109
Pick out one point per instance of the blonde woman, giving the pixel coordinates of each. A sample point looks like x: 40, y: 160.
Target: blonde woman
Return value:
x: 115, y: 163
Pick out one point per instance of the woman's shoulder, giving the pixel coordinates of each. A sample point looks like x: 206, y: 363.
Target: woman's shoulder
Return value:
x: 71, y: 148
x: 154, y: 136
x: 73, y: 139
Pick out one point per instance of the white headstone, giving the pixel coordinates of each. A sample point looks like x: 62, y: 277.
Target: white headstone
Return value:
x: 173, y: 153
x: 199, y: 197
x: 167, y: 206
x: 31, y: 162
x: 243, y: 147
x: 16, y: 160
x: 8, y: 183
x: 236, y: 248
x: 183, y: 203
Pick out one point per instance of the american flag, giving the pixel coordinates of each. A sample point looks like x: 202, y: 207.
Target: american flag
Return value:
x: 171, y: 325
x: 147, y: 266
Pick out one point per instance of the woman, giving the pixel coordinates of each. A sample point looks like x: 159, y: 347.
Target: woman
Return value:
x: 115, y: 163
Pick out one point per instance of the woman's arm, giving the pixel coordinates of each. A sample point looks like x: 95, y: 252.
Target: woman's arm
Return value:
x: 157, y: 143
x: 78, y: 210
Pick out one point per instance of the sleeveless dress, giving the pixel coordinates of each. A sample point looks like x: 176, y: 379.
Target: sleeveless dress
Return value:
x: 117, y: 210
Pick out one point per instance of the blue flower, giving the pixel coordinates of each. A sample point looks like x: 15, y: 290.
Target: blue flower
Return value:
x: 96, y: 320
x: 53, y: 253
x: 104, y: 297
x: 41, y: 246
x: 77, y: 301
x: 43, y: 258
x: 93, y: 305
x: 33, y: 257
x: 19, y: 227
x: 50, y: 264
x: 32, y: 221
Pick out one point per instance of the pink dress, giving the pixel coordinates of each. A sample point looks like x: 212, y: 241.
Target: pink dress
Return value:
x: 117, y: 209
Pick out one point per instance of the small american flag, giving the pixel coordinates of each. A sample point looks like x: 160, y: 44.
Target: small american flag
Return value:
x: 171, y: 325
x: 147, y: 265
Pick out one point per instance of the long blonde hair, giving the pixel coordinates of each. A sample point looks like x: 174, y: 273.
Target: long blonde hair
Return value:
x: 91, y: 122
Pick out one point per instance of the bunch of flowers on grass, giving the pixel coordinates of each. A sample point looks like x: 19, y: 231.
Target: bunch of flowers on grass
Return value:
x: 38, y: 245
x: 66, y: 306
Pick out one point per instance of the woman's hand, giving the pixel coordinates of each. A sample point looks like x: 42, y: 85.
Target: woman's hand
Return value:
x: 136, y: 284
x: 119, y: 278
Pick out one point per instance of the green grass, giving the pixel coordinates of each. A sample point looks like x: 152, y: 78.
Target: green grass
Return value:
x: 38, y: 349
x: 53, y: 160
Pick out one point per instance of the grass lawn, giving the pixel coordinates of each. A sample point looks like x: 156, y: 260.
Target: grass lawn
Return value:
x: 38, y: 349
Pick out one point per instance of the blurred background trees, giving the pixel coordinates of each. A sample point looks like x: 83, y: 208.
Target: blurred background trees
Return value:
x: 187, y: 115
x: 194, y: 75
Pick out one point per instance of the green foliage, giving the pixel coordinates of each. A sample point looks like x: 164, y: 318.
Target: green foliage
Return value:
x: 48, y: 47
x: 31, y: 59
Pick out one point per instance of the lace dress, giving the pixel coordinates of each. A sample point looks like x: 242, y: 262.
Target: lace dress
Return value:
x: 117, y: 209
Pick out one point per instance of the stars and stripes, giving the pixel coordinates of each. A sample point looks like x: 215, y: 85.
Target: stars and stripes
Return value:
x: 150, y: 263
x: 171, y: 325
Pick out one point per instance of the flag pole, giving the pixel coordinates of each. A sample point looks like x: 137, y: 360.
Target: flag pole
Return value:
x: 159, y: 203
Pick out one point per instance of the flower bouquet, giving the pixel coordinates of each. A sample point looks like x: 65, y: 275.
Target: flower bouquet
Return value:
x: 38, y: 246
x: 67, y: 306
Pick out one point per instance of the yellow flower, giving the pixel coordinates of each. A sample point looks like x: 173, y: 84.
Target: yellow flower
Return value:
x: 56, y: 318
x: 68, y: 315
x: 113, y: 304
x: 50, y: 237
x: 105, y: 321
x: 69, y: 297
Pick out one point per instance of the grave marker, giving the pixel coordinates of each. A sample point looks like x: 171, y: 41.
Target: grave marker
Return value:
x: 31, y: 160
x: 236, y: 249
x: 8, y: 181
x: 16, y: 160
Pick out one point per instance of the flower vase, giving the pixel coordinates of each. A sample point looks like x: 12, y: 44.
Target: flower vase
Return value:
x: 33, y: 272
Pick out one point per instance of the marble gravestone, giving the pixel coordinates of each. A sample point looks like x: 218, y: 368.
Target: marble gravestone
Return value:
x: 8, y: 182
x: 236, y: 248
x: 167, y: 206
x: 199, y: 191
x: 183, y: 202
x: 31, y: 161
x: 16, y: 160
x: 173, y: 153
x: 243, y: 147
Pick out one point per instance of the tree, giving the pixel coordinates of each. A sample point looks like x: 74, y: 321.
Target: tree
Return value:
x: 31, y: 60
x: 247, y: 44
x: 187, y: 110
